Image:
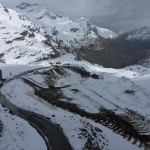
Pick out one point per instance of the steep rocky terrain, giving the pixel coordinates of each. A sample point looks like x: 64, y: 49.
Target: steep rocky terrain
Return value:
x: 39, y: 34
x: 138, y: 34
x: 45, y: 63
x: 21, y: 41
x: 67, y: 32
x: 127, y: 49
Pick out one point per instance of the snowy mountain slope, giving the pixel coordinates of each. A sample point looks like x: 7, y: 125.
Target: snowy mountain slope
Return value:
x: 121, y: 51
x: 46, y: 35
x: 113, y: 81
x: 79, y: 129
x: 141, y: 35
x: 18, y: 134
x: 118, y: 90
x: 9, y: 70
x: 90, y: 103
x: 144, y: 79
x: 138, y: 34
x: 145, y: 61
x: 21, y: 41
x: 63, y: 30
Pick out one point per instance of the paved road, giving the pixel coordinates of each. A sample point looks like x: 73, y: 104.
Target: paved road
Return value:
x: 55, y: 139
x: 52, y: 135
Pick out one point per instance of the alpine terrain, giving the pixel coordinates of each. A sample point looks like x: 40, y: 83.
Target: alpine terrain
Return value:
x: 66, y: 84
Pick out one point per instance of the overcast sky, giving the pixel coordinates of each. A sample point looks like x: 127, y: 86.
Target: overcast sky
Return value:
x: 117, y: 15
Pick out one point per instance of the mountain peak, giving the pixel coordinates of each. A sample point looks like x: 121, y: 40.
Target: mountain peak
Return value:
x: 64, y: 25
x: 36, y: 33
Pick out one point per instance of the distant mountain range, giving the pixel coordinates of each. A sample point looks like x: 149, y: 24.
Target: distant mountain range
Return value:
x: 138, y: 34
x: 126, y: 49
x: 32, y: 33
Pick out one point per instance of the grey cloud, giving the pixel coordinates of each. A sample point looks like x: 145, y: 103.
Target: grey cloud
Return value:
x: 117, y: 15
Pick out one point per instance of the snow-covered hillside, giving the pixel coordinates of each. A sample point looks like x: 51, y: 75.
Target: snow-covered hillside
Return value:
x: 139, y: 34
x: 91, y: 88
x: 68, y: 32
x: 145, y: 61
x: 40, y: 34
x: 89, y: 94
x: 21, y: 41
x: 144, y: 79
x: 98, y: 108
x: 18, y: 134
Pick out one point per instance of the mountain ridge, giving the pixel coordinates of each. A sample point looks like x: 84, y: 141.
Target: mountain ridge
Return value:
x: 44, y: 72
x: 44, y: 34
x: 71, y: 31
x: 26, y: 39
x: 121, y: 51
x: 142, y: 33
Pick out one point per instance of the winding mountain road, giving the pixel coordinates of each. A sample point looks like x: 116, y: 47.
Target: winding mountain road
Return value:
x: 55, y: 139
x: 52, y: 134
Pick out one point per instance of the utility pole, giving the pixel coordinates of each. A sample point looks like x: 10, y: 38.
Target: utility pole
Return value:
x: 1, y: 75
